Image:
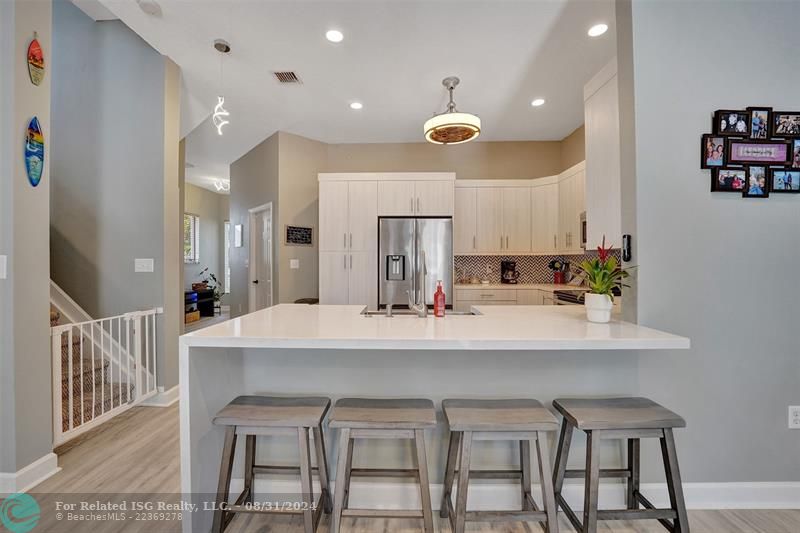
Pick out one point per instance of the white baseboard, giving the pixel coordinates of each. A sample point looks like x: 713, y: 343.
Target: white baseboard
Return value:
x: 29, y: 476
x: 163, y: 398
x: 506, y: 496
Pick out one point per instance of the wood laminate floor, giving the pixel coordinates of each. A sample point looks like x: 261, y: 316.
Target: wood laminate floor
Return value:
x: 138, y: 453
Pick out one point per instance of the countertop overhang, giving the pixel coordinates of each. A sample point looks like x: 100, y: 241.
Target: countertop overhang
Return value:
x: 495, y: 328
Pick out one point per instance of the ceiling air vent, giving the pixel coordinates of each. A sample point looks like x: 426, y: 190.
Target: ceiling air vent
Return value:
x: 287, y: 77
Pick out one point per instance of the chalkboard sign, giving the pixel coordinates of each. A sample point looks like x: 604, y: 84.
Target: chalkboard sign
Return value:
x: 299, y: 236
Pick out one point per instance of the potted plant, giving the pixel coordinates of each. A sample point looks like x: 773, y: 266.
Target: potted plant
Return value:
x: 211, y: 282
x: 602, y: 275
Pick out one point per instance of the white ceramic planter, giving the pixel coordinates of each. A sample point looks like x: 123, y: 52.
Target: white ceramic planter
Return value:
x: 598, y: 307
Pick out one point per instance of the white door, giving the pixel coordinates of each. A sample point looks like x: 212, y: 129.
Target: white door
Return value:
x: 396, y: 198
x: 333, y: 278
x: 517, y: 219
x: 362, y: 217
x: 333, y: 198
x: 260, y: 269
x: 363, y: 285
x: 544, y: 199
x: 489, y: 217
x: 464, y: 221
x: 434, y: 198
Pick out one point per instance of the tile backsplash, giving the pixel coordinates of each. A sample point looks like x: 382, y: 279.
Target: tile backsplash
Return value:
x: 531, y: 268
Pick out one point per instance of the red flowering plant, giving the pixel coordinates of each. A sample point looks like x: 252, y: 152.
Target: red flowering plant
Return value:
x: 602, y: 274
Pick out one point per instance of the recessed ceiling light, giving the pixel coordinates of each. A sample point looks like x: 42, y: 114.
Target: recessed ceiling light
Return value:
x: 334, y: 36
x: 537, y: 102
x: 356, y: 105
x: 598, y: 30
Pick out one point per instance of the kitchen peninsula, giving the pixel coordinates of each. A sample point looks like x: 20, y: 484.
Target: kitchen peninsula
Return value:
x: 528, y: 351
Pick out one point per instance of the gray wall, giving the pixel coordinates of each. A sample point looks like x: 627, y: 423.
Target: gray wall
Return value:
x: 716, y: 267
x: 115, y: 172
x: 25, y: 390
x: 212, y: 208
x: 254, y: 182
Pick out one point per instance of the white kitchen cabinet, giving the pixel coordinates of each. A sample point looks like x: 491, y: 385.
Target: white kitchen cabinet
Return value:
x: 516, y: 220
x: 489, y: 220
x: 362, y: 278
x: 333, y: 278
x: 415, y: 198
x: 333, y: 215
x: 362, y: 216
x: 603, y: 186
x: 544, y: 202
x: 571, y: 203
x: 530, y: 297
x: 465, y: 221
x: 433, y: 198
x: 396, y: 198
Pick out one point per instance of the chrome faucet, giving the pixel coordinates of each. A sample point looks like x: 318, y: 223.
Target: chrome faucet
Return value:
x: 422, y: 308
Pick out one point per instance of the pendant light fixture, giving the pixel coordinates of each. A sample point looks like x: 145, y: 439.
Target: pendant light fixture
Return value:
x: 452, y: 126
x: 220, y: 116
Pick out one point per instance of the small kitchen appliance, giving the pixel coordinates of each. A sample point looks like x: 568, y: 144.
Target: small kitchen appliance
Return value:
x: 508, y: 272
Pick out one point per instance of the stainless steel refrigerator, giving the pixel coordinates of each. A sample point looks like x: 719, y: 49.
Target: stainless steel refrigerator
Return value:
x: 401, y: 243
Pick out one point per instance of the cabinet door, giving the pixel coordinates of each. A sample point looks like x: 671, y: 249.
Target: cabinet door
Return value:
x: 333, y: 278
x: 545, y: 218
x: 333, y: 215
x: 529, y: 297
x: 517, y: 219
x: 396, y: 198
x: 363, y: 216
x: 464, y: 221
x: 489, y: 220
x: 563, y: 213
x: 434, y: 198
x: 363, y: 274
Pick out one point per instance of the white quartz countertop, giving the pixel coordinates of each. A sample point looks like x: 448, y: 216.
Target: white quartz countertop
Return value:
x: 537, y: 327
x: 550, y: 287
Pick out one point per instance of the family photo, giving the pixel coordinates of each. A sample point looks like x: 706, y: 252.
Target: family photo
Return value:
x: 786, y: 180
x: 729, y: 180
x: 732, y: 122
x: 796, y: 154
x: 713, y: 151
x: 786, y: 124
x: 756, y: 183
x: 759, y: 123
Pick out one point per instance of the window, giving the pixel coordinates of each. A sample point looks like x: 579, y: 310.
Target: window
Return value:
x: 227, y: 257
x: 191, y: 238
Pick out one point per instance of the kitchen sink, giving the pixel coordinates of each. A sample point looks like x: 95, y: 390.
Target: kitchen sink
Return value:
x: 409, y: 313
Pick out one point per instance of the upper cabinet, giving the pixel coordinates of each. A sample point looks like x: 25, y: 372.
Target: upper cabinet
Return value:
x: 603, y: 189
x: 492, y: 217
x: 348, y: 216
x: 571, y: 206
x: 489, y: 218
x: 465, y: 222
x: 416, y: 196
x: 544, y: 211
x: 516, y: 220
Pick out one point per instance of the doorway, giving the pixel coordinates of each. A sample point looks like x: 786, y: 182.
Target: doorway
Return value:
x: 260, y: 264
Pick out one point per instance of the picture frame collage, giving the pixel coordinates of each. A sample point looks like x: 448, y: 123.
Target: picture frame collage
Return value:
x: 753, y: 152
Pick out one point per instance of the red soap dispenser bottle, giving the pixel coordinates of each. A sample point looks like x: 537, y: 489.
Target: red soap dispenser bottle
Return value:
x: 438, y: 300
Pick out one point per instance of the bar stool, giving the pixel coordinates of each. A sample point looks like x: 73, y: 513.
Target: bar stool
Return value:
x: 525, y: 420
x: 273, y: 416
x: 619, y: 418
x: 360, y: 418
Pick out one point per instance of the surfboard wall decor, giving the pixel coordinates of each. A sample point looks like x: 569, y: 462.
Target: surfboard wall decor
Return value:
x: 34, y: 152
x: 35, y: 61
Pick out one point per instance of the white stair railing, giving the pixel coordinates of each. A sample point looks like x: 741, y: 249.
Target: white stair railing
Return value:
x: 101, y: 368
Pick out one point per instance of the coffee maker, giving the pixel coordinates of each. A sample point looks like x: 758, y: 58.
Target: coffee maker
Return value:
x: 508, y: 272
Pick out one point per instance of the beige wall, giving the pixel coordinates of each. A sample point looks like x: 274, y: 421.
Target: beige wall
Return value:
x: 573, y: 148
x: 254, y: 182
x: 476, y: 160
x: 212, y: 208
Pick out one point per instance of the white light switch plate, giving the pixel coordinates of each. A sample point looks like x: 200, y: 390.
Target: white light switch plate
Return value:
x: 3, y: 266
x: 143, y: 265
x: 794, y: 417
x: 294, y: 264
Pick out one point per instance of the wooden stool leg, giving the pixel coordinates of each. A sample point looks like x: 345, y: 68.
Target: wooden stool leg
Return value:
x: 305, y: 479
x: 674, y: 481
x: 348, y: 472
x: 525, y: 466
x: 592, y: 482
x: 562, y: 455
x: 224, y: 486
x: 424, y: 486
x: 449, y: 472
x: 634, y: 469
x: 249, y: 463
x: 463, y: 482
x: 322, y: 466
x: 548, y: 496
x: 341, y: 475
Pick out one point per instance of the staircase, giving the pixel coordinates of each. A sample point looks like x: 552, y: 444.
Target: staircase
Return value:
x: 100, y: 368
